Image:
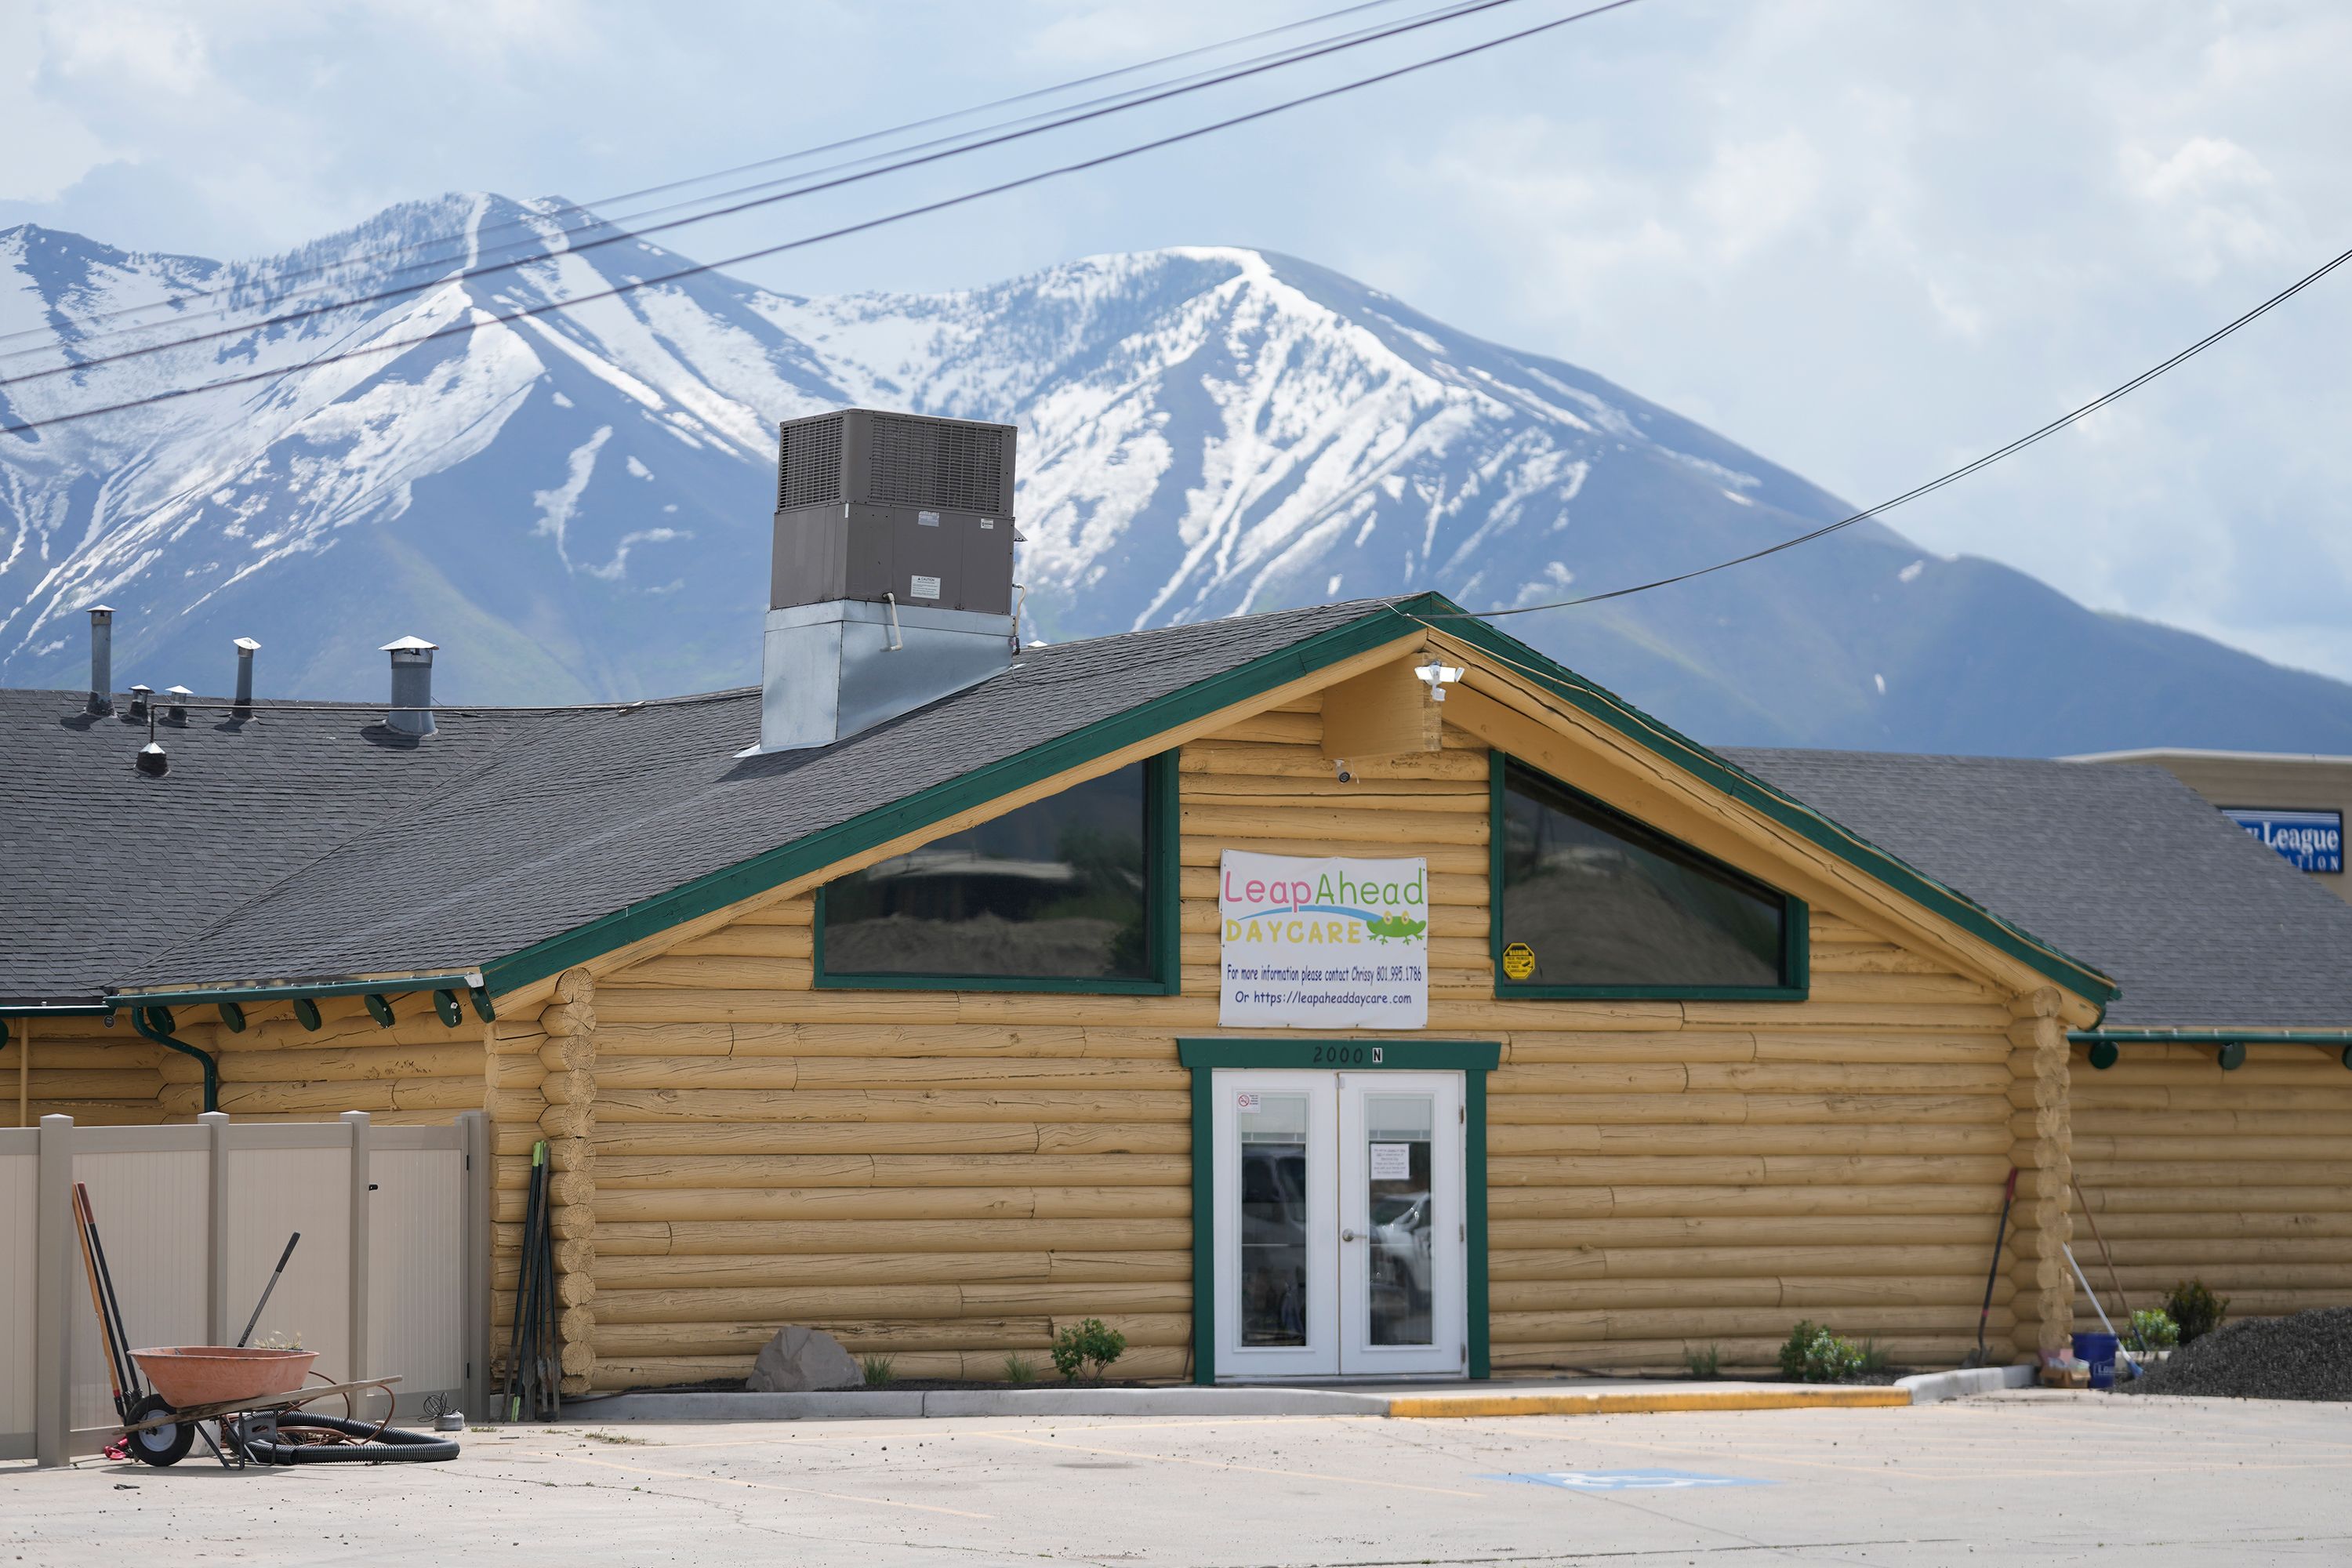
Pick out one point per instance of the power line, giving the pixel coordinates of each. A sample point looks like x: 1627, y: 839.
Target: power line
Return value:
x: 1118, y: 104
x: 923, y: 209
x: 1954, y: 477
x: 594, y: 207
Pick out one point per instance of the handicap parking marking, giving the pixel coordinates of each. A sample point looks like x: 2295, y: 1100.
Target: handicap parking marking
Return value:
x: 1628, y: 1480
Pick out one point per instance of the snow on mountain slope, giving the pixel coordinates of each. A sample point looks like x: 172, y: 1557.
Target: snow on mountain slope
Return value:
x: 577, y: 505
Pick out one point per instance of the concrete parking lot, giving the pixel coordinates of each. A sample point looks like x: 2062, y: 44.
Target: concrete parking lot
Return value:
x: 2026, y: 1478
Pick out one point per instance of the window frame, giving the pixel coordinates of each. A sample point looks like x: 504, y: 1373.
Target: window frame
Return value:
x: 1161, y: 918
x: 1796, y: 921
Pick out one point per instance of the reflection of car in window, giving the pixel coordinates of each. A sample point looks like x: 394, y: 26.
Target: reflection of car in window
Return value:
x: 1274, y: 1243
x: 1400, y: 1238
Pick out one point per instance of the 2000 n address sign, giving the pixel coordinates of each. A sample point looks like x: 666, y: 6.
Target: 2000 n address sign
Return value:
x: 1323, y: 944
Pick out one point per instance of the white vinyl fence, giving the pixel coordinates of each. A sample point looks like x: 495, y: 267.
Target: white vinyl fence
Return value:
x: 392, y: 1276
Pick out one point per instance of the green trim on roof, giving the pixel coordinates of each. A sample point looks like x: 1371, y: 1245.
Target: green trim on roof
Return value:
x: 1736, y: 781
x: 179, y: 997
x: 2211, y: 1036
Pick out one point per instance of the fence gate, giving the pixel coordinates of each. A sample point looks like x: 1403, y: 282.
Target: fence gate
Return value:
x: 392, y: 1276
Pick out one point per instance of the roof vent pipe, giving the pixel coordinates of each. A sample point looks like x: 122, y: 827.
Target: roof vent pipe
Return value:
x: 177, y: 712
x: 412, y: 686
x: 245, y: 647
x: 101, y: 659
x: 139, y: 694
x: 153, y: 762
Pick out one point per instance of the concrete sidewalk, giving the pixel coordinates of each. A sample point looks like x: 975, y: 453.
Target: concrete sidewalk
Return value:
x: 1550, y: 1396
x: 2041, y: 1478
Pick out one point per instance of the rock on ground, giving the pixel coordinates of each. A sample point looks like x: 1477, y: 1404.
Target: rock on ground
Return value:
x: 2307, y: 1356
x: 802, y: 1361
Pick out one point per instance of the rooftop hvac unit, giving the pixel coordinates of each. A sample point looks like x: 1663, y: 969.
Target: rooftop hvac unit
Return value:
x: 891, y: 584
x: 899, y: 507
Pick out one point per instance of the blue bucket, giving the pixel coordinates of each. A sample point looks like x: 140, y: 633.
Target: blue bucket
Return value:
x: 2099, y: 1349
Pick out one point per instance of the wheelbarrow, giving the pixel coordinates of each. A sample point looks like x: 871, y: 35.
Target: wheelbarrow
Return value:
x: 257, y: 1399
x: 258, y: 1419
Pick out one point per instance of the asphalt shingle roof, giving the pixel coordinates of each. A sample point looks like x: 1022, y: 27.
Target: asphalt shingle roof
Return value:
x: 101, y: 867
x: 312, y: 846
x: 2125, y: 867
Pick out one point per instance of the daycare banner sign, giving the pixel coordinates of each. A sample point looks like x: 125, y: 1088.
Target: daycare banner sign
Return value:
x: 1323, y: 944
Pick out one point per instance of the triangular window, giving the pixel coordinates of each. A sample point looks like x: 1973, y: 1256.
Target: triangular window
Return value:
x: 1590, y: 902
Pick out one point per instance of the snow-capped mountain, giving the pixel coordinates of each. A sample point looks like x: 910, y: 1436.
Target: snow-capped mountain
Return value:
x: 576, y: 504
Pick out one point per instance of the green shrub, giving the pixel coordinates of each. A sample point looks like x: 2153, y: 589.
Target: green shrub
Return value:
x: 1018, y: 1370
x: 1874, y: 1360
x: 881, y: 1370
x: 2195, y: 1312
x: 1086, y: 1350
x: 1813, y: 1354
x: 1705, y: 1361
x: 2154, y: 1327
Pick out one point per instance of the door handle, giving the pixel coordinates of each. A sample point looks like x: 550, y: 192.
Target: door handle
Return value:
x: 1350, y: 1236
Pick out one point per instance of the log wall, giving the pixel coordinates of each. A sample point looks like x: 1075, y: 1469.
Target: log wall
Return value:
x: 2234, y: 1178
x: 942, y: 1176
x: 81, y: 1069
x: 418, y: 1071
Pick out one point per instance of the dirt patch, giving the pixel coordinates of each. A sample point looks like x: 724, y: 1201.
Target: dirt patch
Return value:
x: 2307, y: 1356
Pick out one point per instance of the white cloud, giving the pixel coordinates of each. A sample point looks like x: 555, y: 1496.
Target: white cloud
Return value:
x: 1870, y: 241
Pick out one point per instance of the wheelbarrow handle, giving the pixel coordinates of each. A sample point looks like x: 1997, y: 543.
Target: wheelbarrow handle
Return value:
x: 266, y: 1289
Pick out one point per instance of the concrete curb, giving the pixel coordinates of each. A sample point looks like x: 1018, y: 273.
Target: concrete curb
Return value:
x: 1928, y: 1387
x: 1066, y: 1402
x: 1210, y: 1403
x: 1448, y: 1406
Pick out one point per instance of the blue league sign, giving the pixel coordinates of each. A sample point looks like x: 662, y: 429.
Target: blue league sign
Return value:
x: 2311, y: 840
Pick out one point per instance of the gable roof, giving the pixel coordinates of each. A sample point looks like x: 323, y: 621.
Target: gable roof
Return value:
x: 317, y: 846
x: 2205, y: 927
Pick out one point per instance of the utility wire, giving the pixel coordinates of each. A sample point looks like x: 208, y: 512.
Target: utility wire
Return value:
x: 483, y: 319
x: 592, y: 208
x: 1118, y: 104
x: 1954, y: 477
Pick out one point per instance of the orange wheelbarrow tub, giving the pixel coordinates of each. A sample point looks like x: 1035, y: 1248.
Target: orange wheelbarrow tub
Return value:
x: 188, y: 1376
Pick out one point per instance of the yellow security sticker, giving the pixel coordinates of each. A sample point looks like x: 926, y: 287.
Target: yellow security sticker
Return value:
x: 1519, y: 961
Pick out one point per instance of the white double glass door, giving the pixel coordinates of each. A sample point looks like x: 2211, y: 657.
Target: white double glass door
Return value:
x: 1339, y: 1224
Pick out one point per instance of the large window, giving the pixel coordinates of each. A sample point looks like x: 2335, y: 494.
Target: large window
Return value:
x: 1590, y: 902
x: 1065, y: 893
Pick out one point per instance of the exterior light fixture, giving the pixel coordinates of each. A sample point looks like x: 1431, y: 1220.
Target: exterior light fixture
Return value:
x: 1437, y: 677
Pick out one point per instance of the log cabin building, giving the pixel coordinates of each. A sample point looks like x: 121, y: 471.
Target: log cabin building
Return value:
x: 898, y: 995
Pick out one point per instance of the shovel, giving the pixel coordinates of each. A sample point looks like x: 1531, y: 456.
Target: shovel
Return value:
x: 2008, y: 1194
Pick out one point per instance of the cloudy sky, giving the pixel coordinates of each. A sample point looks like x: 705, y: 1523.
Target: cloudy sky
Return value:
x: 1869, y: 238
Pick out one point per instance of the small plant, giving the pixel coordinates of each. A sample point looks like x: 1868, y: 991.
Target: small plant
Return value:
x: 1705, y: 1361
x: 1874, y: 1360
x: 279, y: 1340
x: 2195, y: 1312
x: 2154, y: 1327
x: 881, y: 1370
x: 1017, y: 1369
x: 1815, y: 1354
x: 1086, y: 1350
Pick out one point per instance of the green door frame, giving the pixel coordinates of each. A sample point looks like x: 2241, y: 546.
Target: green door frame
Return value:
x: 1473, y: 1059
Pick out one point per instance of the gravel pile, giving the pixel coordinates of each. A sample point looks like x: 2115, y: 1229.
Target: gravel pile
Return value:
x: 2307, y: 1356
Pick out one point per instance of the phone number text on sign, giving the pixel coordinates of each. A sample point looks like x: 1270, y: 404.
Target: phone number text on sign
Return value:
x: 1323, y: 944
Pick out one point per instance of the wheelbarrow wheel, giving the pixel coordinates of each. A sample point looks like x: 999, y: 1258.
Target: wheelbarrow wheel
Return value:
x: 159, y: 1445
